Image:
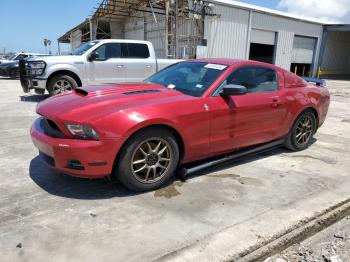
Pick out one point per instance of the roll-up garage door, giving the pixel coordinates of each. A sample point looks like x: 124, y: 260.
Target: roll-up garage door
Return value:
x: 262, y: 37
x: 303, y: 50
x: 262, y: 46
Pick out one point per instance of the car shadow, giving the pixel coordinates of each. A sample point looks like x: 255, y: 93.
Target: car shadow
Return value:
x: 62, y: 185
x: 34, y: 98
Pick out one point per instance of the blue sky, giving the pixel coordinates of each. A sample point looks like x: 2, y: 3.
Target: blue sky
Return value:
x: 25, y: 23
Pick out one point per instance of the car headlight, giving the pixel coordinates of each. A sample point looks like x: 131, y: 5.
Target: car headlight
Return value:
x: 36, y: 68
x: 82, y: 132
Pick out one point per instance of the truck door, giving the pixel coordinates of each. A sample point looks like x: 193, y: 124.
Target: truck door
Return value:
x: 108, y: 65
x: 140, y: 63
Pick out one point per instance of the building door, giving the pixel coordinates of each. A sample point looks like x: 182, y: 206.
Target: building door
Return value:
x: 303, y: 55
x: 262, y: 46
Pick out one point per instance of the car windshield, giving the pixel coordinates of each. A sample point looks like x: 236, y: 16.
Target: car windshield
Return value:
x: 81, y: 50
x: 190, y: 78
x: 11, y: 57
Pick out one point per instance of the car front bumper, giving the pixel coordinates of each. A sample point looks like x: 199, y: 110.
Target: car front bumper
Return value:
x: 29, y: 82
x: 4, y: 72
x: 82, y: 158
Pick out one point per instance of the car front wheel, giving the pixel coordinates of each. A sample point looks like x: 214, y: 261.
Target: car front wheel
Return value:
x: 60, y: 84
x: 14, y: 74
x: 148, y: 160
x: 302, y: 131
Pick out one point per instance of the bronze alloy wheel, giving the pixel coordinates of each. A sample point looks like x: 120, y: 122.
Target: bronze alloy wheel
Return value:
x: 304, y: 130
x: 151, y: 160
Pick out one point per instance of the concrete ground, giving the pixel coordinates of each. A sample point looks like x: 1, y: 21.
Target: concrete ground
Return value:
x: 329, y: 245
x: 220, y: 214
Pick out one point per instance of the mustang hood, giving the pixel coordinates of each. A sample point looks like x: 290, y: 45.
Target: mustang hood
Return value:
x: 92, y: 102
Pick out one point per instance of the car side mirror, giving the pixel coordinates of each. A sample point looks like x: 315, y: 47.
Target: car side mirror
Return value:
x: 93, y: 56
x: 232, y: 90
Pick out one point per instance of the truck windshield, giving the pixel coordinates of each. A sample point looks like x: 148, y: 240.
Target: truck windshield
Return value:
x: 81, y: 50
x: 190, y: 78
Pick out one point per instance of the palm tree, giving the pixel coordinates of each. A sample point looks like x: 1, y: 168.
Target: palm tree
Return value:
x: 47, y: 42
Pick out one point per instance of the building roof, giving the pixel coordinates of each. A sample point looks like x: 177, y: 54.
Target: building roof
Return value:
x: 268, y: 11
x: 66, y: 37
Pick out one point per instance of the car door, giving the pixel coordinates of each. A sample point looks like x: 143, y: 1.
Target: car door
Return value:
x: 108, y: 66
x: 248, y: 119
x: 139, y: 63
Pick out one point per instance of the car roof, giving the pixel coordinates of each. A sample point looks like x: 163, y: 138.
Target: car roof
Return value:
x: 230, y: 62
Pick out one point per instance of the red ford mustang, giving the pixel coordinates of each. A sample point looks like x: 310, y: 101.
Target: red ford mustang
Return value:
x: 194, y: 110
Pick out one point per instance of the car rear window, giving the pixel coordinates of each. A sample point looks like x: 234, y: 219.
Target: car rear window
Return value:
x: 135, y: 50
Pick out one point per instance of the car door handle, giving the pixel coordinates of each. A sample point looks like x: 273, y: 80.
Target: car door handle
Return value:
x: 276, y: 102
x: 120, y: 66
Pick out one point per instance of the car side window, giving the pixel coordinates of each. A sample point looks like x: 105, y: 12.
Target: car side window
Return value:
x: 135, y: 50
x: 255, y: 79
x: 107, y: 51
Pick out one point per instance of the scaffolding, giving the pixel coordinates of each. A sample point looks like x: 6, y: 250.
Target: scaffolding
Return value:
x: 179, y: 23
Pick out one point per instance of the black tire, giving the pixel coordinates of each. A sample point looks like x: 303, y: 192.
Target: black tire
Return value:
x: 61, y: 83
x: 125, y: 171
x: 300, y: 134
x: 14, y: 73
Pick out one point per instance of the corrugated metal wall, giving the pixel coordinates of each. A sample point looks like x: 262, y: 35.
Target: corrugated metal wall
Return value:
x: 286, y: 30
x: 337, y: 52
x: 284, y: 49
x: 227, y: 36
x: 155, y: 33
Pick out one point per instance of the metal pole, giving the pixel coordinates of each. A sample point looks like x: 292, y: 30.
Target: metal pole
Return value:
x: 249, y: 30
x: 58, y: 47
x: 175, y: 28
x: 166, y: 37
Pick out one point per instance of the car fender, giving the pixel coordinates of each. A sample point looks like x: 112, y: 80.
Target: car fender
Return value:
x: 51, y: 69
x: 132, y: 122
x: 309, y: 103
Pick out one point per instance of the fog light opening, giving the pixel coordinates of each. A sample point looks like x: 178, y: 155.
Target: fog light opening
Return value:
x: 75, y: 164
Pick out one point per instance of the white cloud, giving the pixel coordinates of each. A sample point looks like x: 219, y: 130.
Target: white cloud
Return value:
x: 327, y: 10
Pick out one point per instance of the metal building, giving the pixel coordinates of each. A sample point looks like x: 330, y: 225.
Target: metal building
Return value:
x: 212, y: 28
x: 335, y: 52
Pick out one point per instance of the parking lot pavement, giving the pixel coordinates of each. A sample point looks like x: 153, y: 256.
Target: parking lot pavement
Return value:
x: 47, y: 216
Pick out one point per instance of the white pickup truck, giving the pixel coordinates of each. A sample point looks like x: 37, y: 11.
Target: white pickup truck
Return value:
x: 96, y: 62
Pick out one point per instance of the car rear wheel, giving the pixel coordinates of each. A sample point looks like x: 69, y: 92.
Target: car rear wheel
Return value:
x: 60, y: 84
x: 147, y: 160
x: 302, y: 131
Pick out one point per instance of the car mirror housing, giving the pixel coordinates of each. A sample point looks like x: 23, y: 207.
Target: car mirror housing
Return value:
x: 93, y: 56
x: 232, y: 90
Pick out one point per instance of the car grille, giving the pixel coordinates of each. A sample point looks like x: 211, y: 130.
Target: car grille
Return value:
x: 50, y: 128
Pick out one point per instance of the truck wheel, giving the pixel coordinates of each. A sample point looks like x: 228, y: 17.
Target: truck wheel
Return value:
x: 60, y: 84
x: 14, y: 73
x: 147, y: 160
x: 301, y: 132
